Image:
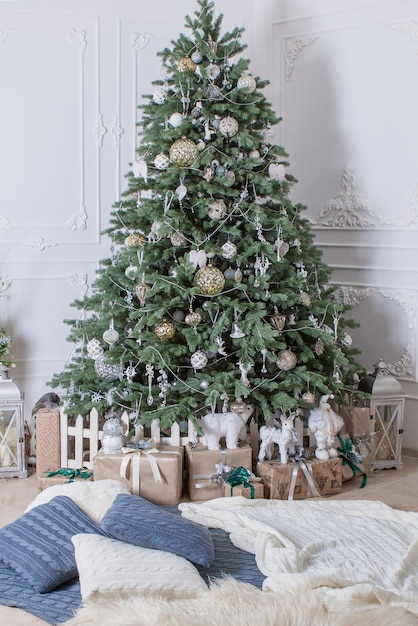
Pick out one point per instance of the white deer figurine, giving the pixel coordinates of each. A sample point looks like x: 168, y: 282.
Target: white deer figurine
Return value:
x: 229, y: 425
x: 285, y: 437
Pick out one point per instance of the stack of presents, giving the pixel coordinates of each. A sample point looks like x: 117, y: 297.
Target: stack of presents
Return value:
x: 302, y: 466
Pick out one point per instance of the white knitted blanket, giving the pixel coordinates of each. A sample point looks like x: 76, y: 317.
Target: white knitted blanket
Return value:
x: 353, y: 553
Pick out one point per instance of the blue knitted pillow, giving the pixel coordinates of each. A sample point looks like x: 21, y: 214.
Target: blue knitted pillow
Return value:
x: 38, y: 544
x: 135, y: 520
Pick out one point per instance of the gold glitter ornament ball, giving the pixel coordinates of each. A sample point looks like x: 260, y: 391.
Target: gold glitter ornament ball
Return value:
x: 193, y: 319
x: 186, y: 64
x: 286, y: 360
x: 183, y: 152
x: 135, y: 239
x: 308, y: 396
x: 209, y: 280
x: 164, y: 330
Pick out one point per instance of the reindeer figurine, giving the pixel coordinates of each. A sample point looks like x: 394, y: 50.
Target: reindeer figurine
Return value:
x: 285, y: 437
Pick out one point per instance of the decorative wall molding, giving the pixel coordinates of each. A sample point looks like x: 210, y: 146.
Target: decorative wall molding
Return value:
x: 5, y: 223
x: 79, y: 281
x: 406, y: 300
x: 293, y: 47
x: 78, y: 221
x: 4, y: 31
x: 117, y: 131
x: 78, y: 38
x: 406, y: 365
x: 139, y: 41
x: 351, y: 296
x: 409, y: 27
x: 39, y: 243
x: 5, y: 282
x: 409, y: 217
x: 348, y: 209
x: 100, y: 130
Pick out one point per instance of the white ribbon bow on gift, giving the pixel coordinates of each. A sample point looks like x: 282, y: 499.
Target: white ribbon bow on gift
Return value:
x: 133, y: 458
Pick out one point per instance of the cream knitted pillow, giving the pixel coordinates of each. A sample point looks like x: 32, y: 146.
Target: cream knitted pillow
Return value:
x: 93, y: 497
x: 107, y: 565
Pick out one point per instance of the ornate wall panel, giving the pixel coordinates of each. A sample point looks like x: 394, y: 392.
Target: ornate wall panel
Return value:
x: 48, y: 190
x: 346, y: 87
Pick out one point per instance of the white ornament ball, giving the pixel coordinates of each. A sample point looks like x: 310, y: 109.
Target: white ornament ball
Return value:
x: 228, y: 126
x: 254, y: 154
x: 204, y: 384
x: 131, y: 271
x: 217, y: 209
x: 229, y: 250
x: 213, y: 71
x: 110, y: 336
x: 94, y: 349
x: 198, y: 360
x: 161, y: 161
x: 247, y: 83
x: 159, y: 96
x: 176, y: 119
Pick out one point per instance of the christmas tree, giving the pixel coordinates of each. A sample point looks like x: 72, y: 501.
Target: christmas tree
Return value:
x: 215, y: 292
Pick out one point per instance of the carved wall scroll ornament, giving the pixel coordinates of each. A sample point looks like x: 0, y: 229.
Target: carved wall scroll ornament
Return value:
x: 117, y: 130
x: 77, y: 37
x: 409, y: 27
x: 293, y: 47
x: 348, y: 209
x: 5, y: 223
x: 409, y: 216
x: 405, y: 366
x: 78, y: 221
x: 100, y: 130
x: 139, y: 41
x: 406, y: 300
x: 350, y: 296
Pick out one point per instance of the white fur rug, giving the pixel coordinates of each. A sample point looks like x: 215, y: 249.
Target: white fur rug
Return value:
x: 231, y: 603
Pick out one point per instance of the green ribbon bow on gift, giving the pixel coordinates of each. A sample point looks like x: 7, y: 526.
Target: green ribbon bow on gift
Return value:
x: 70, y: 473
x: 240, y: 476
x: 348, y: 457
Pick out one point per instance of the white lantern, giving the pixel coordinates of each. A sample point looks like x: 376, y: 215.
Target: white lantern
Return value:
x: 12, y: 429
x: 386, y: 411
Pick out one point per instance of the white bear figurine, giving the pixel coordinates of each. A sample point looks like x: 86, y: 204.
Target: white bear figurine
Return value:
x: 324, y: 424
x: 229, y: 425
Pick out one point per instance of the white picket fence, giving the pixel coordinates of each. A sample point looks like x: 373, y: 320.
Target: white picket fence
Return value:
x: 81, y: 442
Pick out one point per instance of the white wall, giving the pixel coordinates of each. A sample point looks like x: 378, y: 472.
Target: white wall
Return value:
x: 343, y: 76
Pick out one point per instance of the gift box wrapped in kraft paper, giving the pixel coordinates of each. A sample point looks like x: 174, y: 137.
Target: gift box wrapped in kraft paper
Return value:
x: 357, y: 420
x: 301, y: 479
x: 242, y: 482
x: 155, y: 474
x: 207, y: 469
x: 63, y: 476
